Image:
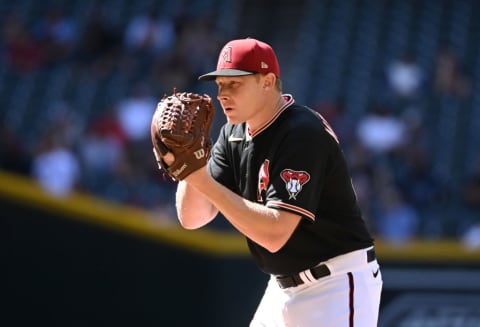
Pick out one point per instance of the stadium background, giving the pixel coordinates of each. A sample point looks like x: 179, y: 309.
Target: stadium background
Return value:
x: 91, y: 238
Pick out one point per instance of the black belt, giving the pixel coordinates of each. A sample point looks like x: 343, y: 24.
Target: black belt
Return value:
x: 317, y: 272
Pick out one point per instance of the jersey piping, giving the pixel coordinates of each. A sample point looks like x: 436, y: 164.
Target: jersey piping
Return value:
x: 288, y: 103
x: 292, y: 208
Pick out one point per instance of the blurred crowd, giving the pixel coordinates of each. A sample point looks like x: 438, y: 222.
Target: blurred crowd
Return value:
x: 391, y: 156
x: 110, y: 156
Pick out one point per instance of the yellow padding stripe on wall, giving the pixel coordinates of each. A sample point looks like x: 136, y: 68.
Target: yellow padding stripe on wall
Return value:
x: 447, y: 251
x: 90, y: 209
x: 207, y: 241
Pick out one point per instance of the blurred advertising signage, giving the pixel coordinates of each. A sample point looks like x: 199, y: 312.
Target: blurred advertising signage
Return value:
x: 435, y: 296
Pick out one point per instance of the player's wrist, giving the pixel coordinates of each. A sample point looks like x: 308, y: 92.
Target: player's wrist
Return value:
x: 198, y: 177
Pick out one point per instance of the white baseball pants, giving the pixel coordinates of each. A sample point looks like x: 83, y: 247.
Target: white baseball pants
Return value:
x: 348, y: 297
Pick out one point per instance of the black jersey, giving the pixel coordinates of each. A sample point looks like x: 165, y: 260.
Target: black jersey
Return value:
x: 294, y: 163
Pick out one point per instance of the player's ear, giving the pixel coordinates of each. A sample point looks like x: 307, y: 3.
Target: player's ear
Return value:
x: 268, y: 81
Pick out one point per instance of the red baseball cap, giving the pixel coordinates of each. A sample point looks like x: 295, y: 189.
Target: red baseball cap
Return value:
x: 245, y: 57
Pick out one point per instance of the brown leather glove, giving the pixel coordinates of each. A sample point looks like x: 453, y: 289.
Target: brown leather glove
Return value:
x: 181, y: 126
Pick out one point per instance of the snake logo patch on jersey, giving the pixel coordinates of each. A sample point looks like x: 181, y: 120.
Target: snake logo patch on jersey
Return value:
x: 294, y: 181
x: 263, y: 180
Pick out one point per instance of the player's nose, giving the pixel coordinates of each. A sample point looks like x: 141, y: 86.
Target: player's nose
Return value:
x: 222, y: 95
x: 222, y: 92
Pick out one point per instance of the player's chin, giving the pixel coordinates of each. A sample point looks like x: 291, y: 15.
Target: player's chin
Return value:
x: 232, y: 119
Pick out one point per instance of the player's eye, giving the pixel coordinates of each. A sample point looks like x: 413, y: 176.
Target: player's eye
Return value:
x: 234, y: 84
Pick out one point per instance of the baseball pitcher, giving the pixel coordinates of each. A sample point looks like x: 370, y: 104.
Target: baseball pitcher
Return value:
x: 278, y: 175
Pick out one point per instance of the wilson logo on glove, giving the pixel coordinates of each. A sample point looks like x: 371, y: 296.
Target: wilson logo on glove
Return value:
x: 177, y: 172
x: 199, y: 154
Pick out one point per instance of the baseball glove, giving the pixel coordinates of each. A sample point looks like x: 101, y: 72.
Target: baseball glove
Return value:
x: 181, y: 126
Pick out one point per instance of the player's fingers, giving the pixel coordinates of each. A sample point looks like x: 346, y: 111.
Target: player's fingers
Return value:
x: 160, y: 146
x: 168, y: 158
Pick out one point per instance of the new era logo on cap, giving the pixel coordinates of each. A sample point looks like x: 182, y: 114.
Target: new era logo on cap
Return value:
x: 245, y: 57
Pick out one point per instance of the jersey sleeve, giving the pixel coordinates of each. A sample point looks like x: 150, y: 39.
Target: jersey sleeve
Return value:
x: 298, y: 171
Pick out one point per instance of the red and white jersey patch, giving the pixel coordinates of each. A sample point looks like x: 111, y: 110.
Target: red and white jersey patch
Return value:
x: 294, y: 180
x: 263, y: 179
